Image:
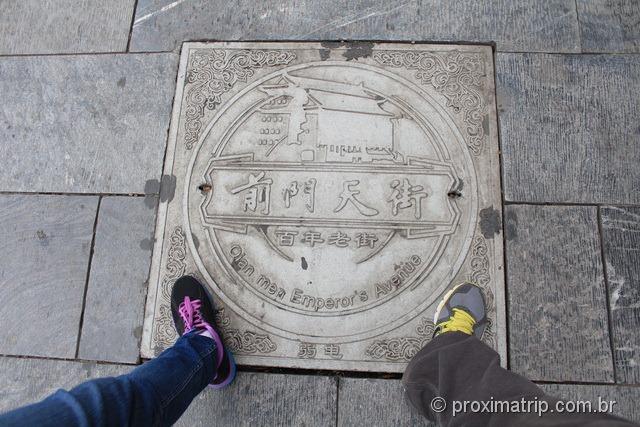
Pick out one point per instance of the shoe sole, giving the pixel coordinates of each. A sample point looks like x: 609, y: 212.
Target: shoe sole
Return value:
x: 232, y: 374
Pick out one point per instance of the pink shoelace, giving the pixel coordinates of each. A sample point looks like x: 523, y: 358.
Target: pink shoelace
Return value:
x: 190, y: 313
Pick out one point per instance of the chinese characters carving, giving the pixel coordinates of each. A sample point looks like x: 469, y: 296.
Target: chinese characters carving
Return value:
x: 405, y: 195
x: 259, y: 193
x: 349, y: 195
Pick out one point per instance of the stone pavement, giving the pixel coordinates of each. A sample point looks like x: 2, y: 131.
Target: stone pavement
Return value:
x: 85, y: 98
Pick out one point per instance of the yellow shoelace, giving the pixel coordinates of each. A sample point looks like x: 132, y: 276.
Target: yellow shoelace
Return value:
x: 461, y: 321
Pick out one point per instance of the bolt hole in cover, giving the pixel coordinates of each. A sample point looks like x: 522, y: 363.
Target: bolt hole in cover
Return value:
x: 328, y: 197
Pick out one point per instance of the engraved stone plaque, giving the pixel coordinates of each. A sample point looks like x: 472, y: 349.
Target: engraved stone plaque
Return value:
x: 329, y: 194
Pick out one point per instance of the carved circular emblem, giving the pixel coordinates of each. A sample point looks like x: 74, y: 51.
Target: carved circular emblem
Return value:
x: 330, y: 201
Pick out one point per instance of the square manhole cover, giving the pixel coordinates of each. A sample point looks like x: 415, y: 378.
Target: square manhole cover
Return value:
x: 329, y: 194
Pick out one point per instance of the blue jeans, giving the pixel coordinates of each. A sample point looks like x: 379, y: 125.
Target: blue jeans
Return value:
x: 156, y: 393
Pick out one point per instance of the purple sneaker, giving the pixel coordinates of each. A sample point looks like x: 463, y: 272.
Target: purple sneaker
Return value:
x: 192, y: 308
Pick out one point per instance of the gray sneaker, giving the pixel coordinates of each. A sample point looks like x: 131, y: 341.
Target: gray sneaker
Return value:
x: 462, y: 309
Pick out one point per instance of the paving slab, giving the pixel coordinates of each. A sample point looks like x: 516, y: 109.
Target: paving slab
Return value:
x: 84, y: 124
x: 550, y: 26
x: 45, y: 245
x: 368, y: 402
x: 258, y: 399
x: 26, y: 381
x: 558, y: 321
x: 64, y: 26
x: 569, y: 127
x: 329, y: 196
x: 375, y: 402
x: 609, y: 25
x: 621, y: 238
x: 626, y: 398
x: 253, y: 399
x: 114, y: 308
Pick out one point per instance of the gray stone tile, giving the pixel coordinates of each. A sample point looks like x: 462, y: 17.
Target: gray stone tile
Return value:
x: 114, y: 309
x: 569, y: 127
x: 254, y: 399
x: 626, y: 398
x: 84, y: 123
x: 621, y: 235
x: 369, y: 402
x: 26, y: 381
x: 609, y: 25
x: 44, y: 247
x: 558, y: 322
x: 550, y: 26
x: 258, y: 399
x: 64, y: 26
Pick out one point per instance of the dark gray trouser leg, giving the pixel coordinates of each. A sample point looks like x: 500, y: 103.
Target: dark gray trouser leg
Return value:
x: 459, y: 367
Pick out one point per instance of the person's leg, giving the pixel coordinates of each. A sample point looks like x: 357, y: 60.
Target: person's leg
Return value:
x: 156, y: 393
x: 456, y: 367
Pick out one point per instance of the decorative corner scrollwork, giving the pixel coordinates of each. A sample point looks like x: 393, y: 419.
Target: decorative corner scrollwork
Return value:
x: 164, y: 330
x: 243, y: 342
x: 480, y: 274
x: 459, y: 76
x: 213, y: 72
x: 239, y: 342
x: 402, y: 348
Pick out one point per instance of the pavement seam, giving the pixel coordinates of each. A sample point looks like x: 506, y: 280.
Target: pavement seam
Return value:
x: 503, y: 208
x: 575, y: 2
x: 337, y: 382
x: 585, y: 383
x: 176, y: 51
x: 533, y: 52
x: 587, y: 204
x: 606, y: 294
x: 67, y: 359
x: 54, y: 193
x: 158, y: 201
x: 65, y: 54
x: 86, y: 284
x: 133, y: 19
